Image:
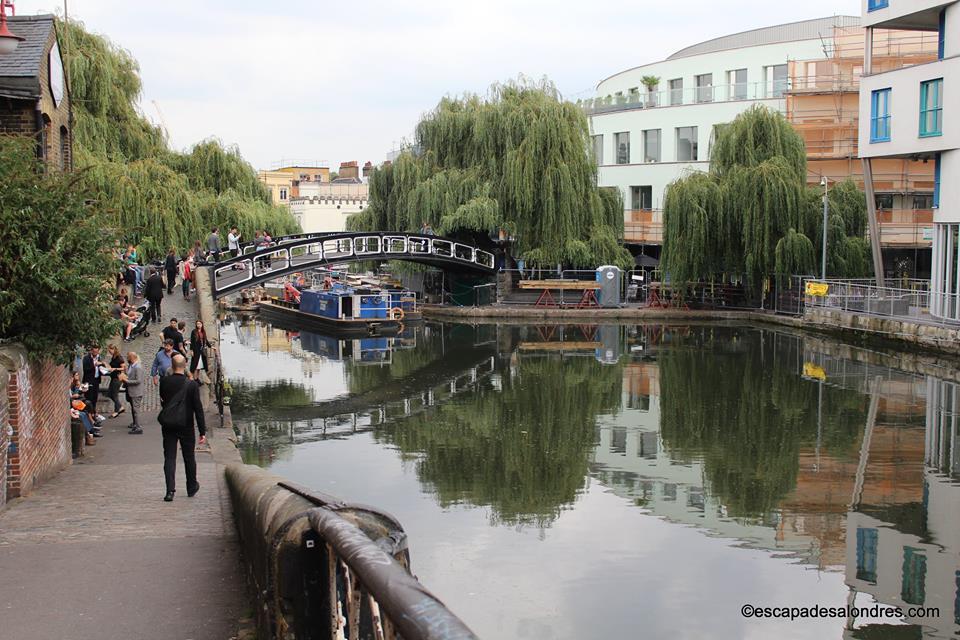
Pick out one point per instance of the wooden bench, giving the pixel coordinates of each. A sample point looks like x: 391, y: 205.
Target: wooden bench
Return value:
x: 587, y: 299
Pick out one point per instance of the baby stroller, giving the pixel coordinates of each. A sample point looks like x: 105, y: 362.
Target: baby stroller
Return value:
x: 143, y: 322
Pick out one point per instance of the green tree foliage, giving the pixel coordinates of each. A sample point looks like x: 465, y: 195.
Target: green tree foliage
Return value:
x: 158, y: 198
x: 752, y: 214
x: 54, y: 257
x: 518, y: 160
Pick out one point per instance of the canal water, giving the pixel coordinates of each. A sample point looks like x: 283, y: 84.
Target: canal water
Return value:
x: 628, y: 481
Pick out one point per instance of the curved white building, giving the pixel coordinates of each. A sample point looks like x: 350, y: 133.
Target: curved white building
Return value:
x: 647, y: 136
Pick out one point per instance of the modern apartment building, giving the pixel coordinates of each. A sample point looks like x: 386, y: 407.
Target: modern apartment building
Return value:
x: 902, y: 115
x: 653, y: 123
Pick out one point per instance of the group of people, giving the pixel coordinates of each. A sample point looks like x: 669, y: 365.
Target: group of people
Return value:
x: 126, y: 376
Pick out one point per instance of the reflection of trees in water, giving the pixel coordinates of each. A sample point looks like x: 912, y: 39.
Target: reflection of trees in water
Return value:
x: 735, y: 398
x: 522, y: 450
x: 261, y: 397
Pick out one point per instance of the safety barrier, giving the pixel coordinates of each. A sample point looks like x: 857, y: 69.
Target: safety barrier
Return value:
x: 325, y: 569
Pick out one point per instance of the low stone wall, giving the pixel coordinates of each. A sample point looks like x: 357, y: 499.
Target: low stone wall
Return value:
x: 928, y: 336
x: 208, y: 313
x: 35, y: 420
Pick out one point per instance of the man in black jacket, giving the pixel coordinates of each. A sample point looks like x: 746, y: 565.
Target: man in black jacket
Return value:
x: 153, y: 292
x: 174, y: 389
x: 91, y: 376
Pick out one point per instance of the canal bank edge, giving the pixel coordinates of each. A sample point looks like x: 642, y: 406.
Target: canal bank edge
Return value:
x: 940, y: 345
x: 208, y: 314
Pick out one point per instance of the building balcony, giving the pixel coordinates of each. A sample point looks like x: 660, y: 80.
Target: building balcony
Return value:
x: 903, y: 14
x: 687, y: 96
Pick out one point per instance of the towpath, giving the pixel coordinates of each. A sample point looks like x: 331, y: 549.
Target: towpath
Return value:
x: 95, y: 553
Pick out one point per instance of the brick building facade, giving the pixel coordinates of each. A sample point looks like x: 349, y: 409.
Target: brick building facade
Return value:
x: 35, y: 421
x: 34, y: 99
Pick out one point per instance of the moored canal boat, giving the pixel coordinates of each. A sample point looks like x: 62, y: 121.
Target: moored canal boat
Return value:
x: 339, y: 310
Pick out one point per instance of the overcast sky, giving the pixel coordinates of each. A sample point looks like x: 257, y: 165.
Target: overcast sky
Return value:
x: 334, y: 81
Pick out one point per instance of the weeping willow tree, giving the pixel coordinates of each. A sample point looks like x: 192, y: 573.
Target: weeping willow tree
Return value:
x: 752, y: 215
x: 517, y: 160
x: 158, y: 198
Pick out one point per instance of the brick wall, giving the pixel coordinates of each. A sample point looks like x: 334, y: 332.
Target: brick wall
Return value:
x: 4, y: 437
x: 37, y: 419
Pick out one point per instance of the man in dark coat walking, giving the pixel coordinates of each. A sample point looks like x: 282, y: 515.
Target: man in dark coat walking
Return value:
x: 175, y: 389
x: 153, y: 292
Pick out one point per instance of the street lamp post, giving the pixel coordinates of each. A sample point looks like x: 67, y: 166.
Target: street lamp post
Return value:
x: 9, y: 41
x: 826, y: 213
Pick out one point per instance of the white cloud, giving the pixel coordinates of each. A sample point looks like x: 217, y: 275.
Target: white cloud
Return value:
x: 343, y: 81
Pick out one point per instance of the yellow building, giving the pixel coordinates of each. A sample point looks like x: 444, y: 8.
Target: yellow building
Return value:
x: 284, y: 180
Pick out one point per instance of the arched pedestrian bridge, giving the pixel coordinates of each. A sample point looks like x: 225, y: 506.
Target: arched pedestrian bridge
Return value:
x: 292, y: 254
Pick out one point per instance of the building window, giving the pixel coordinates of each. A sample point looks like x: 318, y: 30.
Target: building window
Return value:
x: 867, y: 554
x: 912, y: 589
x: 704, y: 84
x: 936, y: 181
x: 880, y: 116
x: 622, y: 143
x: 64, y: 149
x: 686, y: 144
x: 884, y: 201
x: 598, y: 149
x: 651, y: 145
x: 738, y: 84
x: 941, y: 33
x: 923, y: 201
x: 776, y: 80
x: 873, y: 5
x: 676, y: 91
x: 641, y: 197
x: 283, y: 194
x: 931, y: 108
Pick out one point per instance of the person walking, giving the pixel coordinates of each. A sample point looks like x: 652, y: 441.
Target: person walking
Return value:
x: 172, y: 332
x: 199, y: 343
x: 163, y: 361
x: 133, y: 378
x: 91, y: 376
x: 181, y: 404
x: 213, y: 244
x: 116, y: 365
x: 186, y: 274
x: 153, y: 292
x: 170, y: 264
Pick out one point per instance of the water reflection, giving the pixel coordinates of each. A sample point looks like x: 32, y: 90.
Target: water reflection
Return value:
x: 779, y: 441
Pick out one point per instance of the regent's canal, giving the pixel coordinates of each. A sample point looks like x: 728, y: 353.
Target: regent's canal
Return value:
x: 626, y: 481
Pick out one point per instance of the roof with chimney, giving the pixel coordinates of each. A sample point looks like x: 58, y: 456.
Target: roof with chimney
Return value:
x: 20, y: 70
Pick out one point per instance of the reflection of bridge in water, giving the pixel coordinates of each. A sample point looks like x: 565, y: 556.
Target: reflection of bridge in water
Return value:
x: 311, y: 251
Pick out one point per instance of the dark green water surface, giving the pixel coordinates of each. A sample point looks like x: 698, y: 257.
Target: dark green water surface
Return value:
x: 628, y: 481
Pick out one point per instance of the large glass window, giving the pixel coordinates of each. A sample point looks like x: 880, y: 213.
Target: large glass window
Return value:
x: 776, y: 80
x: 936, y: 181
x: 880, y: 115
x: 686, y: 144
x: 651, y: 145
x: 931, y: 108
x: 641, y: 197
x: 873, y: 5
x: 676, y: 91
x: 622, y: 143
x: 704, y: 84
x: 597, y: 149
x: 738, y: 84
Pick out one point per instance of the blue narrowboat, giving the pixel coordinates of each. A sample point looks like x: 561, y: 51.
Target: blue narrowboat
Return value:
x: 340, y: 309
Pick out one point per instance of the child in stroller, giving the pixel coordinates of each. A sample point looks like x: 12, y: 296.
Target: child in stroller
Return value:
x: 142, y: 323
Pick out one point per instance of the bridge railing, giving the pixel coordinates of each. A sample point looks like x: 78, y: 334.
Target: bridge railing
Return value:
x: 290, y: 254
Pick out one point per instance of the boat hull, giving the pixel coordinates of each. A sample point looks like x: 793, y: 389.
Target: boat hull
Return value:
x: 291, y: 317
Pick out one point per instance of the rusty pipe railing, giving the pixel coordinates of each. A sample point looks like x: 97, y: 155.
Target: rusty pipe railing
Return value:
x: 327, y: 569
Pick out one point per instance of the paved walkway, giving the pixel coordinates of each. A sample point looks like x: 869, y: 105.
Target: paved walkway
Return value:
x: 95, y: 553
